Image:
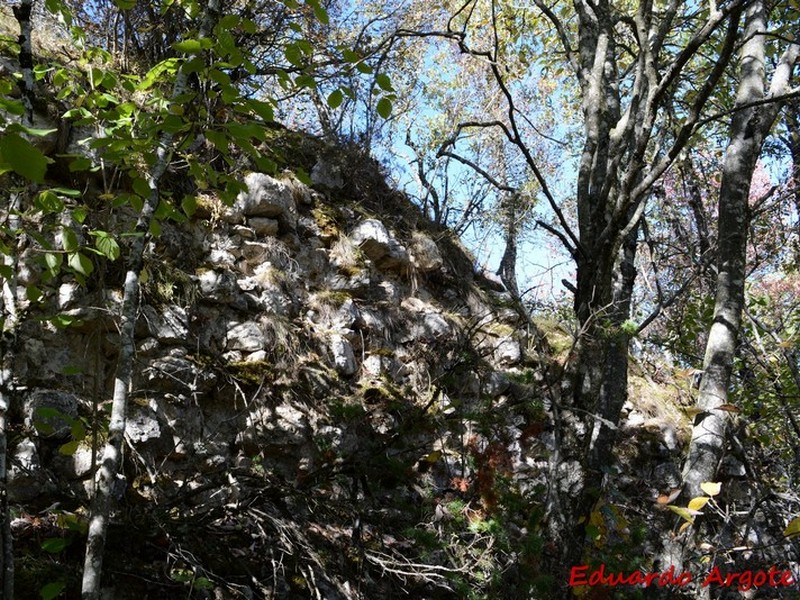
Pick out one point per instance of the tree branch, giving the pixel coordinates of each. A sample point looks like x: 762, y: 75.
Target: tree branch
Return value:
x: 480, y: 171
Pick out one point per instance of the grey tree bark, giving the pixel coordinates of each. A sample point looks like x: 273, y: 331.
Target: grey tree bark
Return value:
x: 9, y: 308
x: 751, y: 123
x: 620, y: 162
x: 510, y: 223
x: 112, y: 454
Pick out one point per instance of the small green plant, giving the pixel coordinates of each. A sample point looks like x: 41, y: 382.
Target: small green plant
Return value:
x: 49, y: 420
x: 254, y: 372
x: 629, y: 328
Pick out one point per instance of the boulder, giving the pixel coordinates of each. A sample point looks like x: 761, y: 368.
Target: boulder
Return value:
x: 264, y: 197
x: 326, y: 175
x: 51, y: 413
x: 245, y: 336
x: 263, y: 226
x: 425, y: 254
x: 343, y: 357
x: 372, y: 237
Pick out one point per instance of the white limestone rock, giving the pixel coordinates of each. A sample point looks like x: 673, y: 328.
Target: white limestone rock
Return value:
x: 343, y: 357
x: 245, y: 336
x: 425, y: 254
x: 265, y: 197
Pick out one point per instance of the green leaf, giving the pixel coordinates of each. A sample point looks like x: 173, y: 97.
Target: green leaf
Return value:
x: 79, y: 214
x: 306, y: 81
x: 71, y: 370
x: 189, y: 205
x: 52, y: 590
x: 54, y: 545
x: 245, y: 131
x: 69, y: 240
x: 62, y: 321
x: 793, y: 528
x: 364, y: 68
x: 33, y: 293
x: 23, y: 157
x: 305, y: 47
x: 29, y: 130
x: 181, y: 575
x: 155, y: 228
x: 77, y: 430
x: 106, y: 244
x: 262, y: 109
x: 53, y: 262
x: 6, y: 272
x: 80, y: 263
x: 350, y: 56
x: 125, y: 4
x: 319, y: 11
x: 12, y: 107
x: 141, y: 187
x: 303, y: 176
x: 228, y: 22
x: 293, y: 54
x: 219, y: 77
x: 265, y: 165
x: 335, y: 99
x: 203, y: 583
x: 66, y: 192
x: 169, y: 66
x: 219, y: 140
x: 80, y: 164
x: 69, y: 448
x: 382, y: 79
x: 248, y: 26
x: 48, y: 202
x: 384, y: 107
x: 192, y: 46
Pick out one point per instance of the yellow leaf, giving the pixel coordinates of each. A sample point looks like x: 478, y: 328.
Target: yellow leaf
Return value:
x: 684, y: 527
x: 682, y: 512
x: 693, y: 411
x: 698, y: 503
x: 711, y: 488
x: 793, y: 528
x: 433, y: 456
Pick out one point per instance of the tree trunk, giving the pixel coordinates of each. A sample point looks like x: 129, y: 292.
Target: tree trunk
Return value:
x: 750, y: 125
x: 111, y: 457
x: 10, y: 308
x: 508, y: 263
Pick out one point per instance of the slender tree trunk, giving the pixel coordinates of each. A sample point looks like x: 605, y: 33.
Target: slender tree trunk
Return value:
x: 792, y: 141
x: 8, y: 345
x: 10, y: 309
x: 508, y: 263
x: 749, y: 127
x: 112, y: 453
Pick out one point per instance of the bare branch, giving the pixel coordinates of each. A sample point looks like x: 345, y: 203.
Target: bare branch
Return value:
x: 477, y: 169
x: 560, y: 31
x: 559, y: 235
